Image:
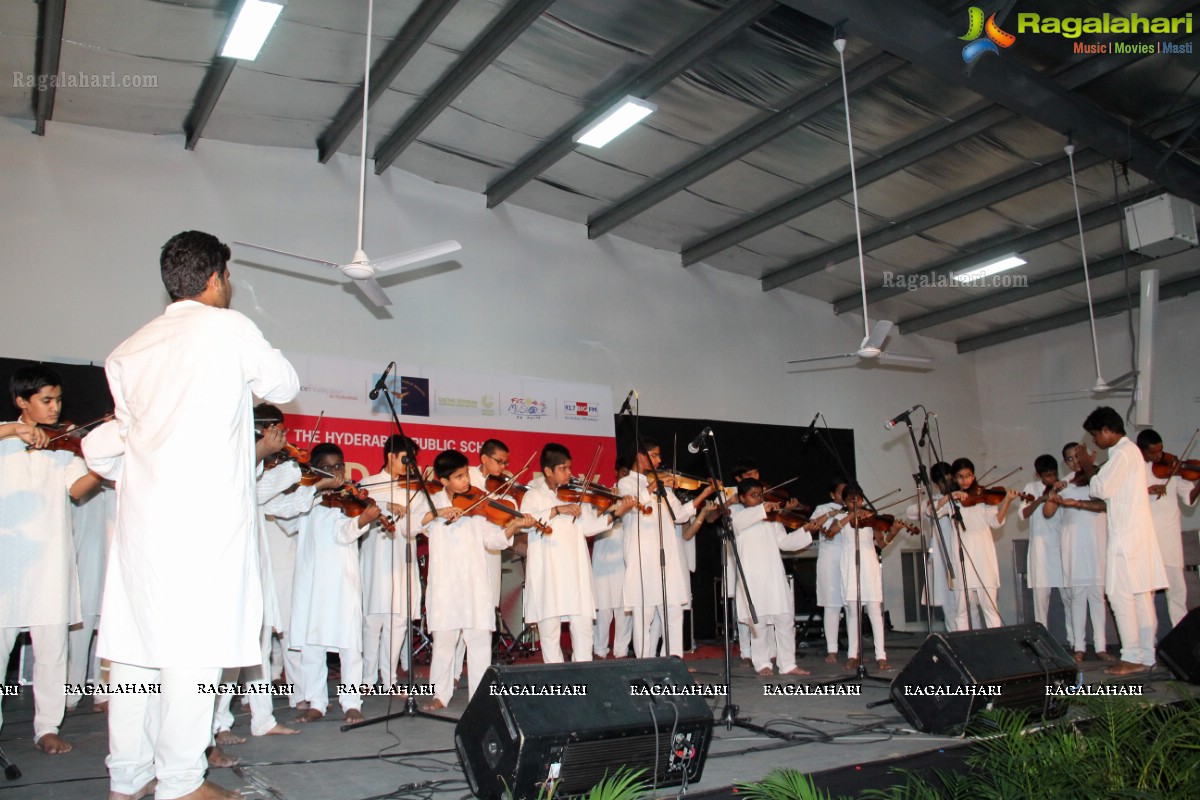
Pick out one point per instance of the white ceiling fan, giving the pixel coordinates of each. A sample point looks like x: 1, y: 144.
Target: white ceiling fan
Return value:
x: 361, y: 269
x: 871, y: 348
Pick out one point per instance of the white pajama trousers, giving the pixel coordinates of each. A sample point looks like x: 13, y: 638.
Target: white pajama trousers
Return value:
x: 1085, y: 599
x: 644, y: 643
x: 874, y: 609
x: 81, y: 653
x: 832, y: 615
x: 983, y: 606
x: 550, y: 633
x: 49, y: 674
x: 1136, y: 623
x: 478, y: 645
x: 313, y: 685
x: 621, y: 636
x: 162, y: 735
x: 385, y: 643
x: 773, y: 637
x: 262, y: 705
x: 1177, y: 607
x: 1041, y: 604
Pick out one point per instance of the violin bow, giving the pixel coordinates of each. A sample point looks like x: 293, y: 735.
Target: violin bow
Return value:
x: 1005, y: 475
x: 1174, y: 470
x: 587, y: 482
x: 75, y: 431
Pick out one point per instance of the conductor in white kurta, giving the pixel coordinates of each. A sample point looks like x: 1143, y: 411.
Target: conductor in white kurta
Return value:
x: 558, y: 577
x: 1134, y: 567
x: 183, y: 388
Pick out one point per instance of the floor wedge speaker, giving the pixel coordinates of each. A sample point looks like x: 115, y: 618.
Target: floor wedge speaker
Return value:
x: 1180, y: 649
x: 567, y: 725
x: 954, y: 676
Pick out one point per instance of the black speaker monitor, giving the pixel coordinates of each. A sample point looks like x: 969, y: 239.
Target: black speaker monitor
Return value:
x: 1180, y: 649
x: 570, y: 724
x: 954, y: 676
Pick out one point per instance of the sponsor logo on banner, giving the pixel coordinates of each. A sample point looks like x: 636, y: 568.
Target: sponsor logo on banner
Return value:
x: 580, y: 411
x: 332, y: 392
x: 528, y: 408
x: 483, y: 405
x: 410, y: 395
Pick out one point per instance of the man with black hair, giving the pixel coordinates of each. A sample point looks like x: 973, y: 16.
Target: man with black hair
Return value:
x: 183, y: 388
x: 1165, y: 497
x: 38, y: 583
x: 1134, y: 569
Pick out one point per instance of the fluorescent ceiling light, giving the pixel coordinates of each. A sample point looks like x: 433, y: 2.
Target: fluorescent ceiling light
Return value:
x: 620, y: 118
x: 251, y: 24
x: 989, y: 268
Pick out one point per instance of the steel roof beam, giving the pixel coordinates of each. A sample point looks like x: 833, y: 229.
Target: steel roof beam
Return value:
x: 51, y: 16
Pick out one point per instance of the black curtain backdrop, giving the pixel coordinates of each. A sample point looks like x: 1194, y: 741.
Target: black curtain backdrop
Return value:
x: 779, y: 455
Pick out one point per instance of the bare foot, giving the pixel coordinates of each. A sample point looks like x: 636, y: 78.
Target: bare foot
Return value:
x: 311, y: 715
x: 145, y: 791
x: 883, y: 665
x: 852, y: 664
x: 219, y: 759
x: 52, y: 744
x: 210, y: 791
x: 353, y: 716
x: 1104, y: 655
x: 100, y: 707
x: 831, y: 658
x: 303, y: 705
x: 797, y: 671
x: 1078, y: 656
x: 766, y: 672
x: 280, y: 730
x: 1126, y: 668
x: 229, y: 737
x: 433, y: 705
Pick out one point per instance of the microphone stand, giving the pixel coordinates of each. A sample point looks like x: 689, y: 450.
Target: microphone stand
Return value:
x: 959, y: 527
x: 660, y: 494
x: 729, y: 714
x: 410, y: 709
x: 921, y: 477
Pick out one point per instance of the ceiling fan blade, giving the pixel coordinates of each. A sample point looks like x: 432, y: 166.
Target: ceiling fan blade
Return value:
x: 394, y: 262
x: 821, y: 358
x: 898, y: 358
x: 374, y: 292
x: 333, y: 264
x: 879, y: 332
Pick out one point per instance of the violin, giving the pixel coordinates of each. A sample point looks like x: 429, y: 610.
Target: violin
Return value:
x: 601, y: 497
x: 353, y: 506
x: 310, y: 476
x: 1171, y: 465
x: 479, y: 503
x: 505, y: 487
x: 991, y: 496
x: 882, y: 523
x: 792, y: 520
x: 67, y: 436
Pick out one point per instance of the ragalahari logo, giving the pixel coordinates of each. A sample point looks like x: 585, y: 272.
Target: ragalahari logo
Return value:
x: 996, y: 38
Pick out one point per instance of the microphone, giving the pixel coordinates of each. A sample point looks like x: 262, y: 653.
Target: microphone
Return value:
x: 698, y: 442
x: 625, y: 406
x: 896, y: 420
x: 381, y: 384
x: 925, y: 429
x: 812, y: 426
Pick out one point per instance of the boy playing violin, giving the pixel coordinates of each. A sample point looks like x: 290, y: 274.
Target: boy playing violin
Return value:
x: 327, y: 596
x: 558, y: 578
x: 458, y: 595
x: 1044, y: 567
x: 759, y: 543
x: 38, y: 585
x: 1165, y: 497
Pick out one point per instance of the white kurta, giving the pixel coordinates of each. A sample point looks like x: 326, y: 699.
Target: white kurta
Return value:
x: 558, y: 577
x: 1168, y: 524
x: 93, y: 525
x: 38, y: 582
x: 183, y: 388
x: 870, y: 575
x: 938, y: 576
x: 1043, y: 568
x: 382, y: 558
x: 1084, y: 540
x: 327, y: 589
x: 608, y: 566
x: 1134, y: 562
x: 493, y: 554
x: 458, y: 594
x: 643, y: 577
x: 759, y: 543
x: 270, y: 485
x: 983, y: 570
x: 829, y: 559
